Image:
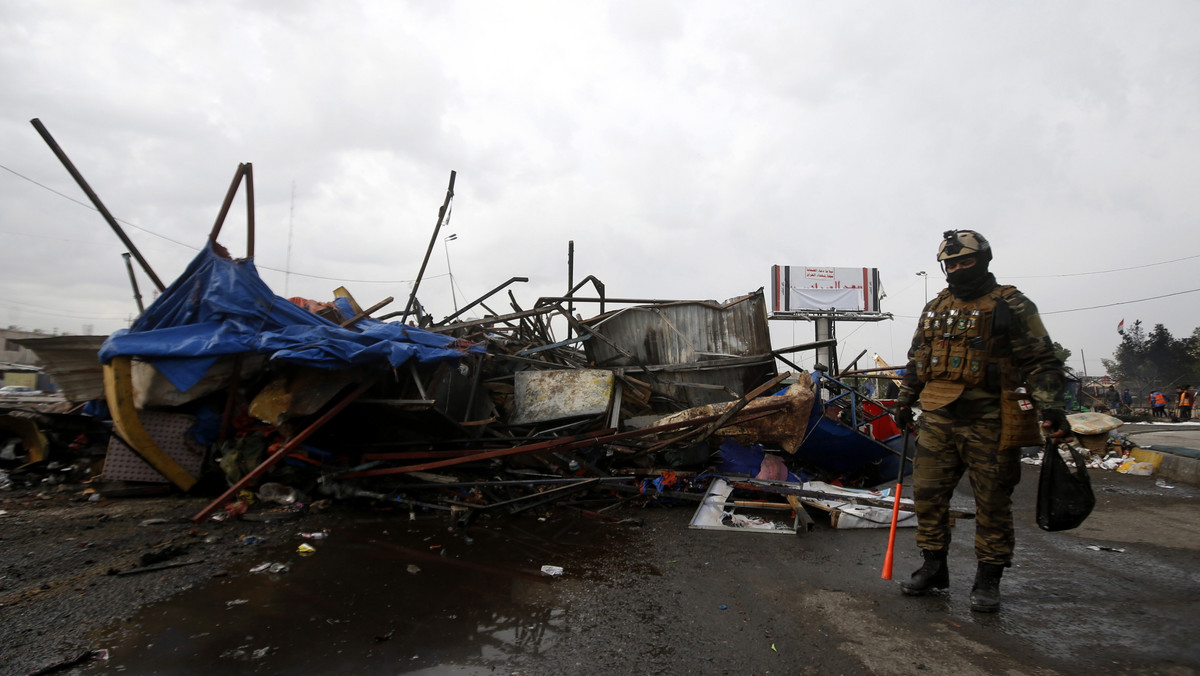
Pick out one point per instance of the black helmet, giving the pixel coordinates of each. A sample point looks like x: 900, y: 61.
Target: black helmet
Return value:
x: 957, y: 243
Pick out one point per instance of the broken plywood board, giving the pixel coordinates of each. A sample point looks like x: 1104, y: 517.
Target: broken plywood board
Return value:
x: 720, y: 511
x: 541, y: 396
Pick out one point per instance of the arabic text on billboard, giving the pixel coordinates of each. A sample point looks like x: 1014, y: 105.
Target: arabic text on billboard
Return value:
x: 800, y: 287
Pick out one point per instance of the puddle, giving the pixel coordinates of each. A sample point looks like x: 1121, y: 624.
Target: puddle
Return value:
x: 376, y: 597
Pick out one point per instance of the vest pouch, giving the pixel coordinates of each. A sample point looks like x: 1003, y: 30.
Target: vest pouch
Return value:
x: 1019, y: 425
x: 957, y: 364
x: 920, y: 358
x: 975, y: 366
x: 939, y: 361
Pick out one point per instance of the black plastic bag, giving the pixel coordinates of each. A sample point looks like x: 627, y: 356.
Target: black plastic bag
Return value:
x: 1065, y: 495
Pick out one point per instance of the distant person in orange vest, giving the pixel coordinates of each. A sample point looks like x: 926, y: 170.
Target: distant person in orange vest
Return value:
x: 1158, y: 404
x: 1186, y: 399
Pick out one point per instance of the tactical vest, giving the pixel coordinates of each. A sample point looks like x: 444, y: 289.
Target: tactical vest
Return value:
x: 967, y: 341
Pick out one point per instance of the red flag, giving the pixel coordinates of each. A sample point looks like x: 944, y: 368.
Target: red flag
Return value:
x: 1121, y: 326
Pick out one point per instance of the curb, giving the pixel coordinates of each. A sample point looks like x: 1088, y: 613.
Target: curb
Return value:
x: 1170, y: 465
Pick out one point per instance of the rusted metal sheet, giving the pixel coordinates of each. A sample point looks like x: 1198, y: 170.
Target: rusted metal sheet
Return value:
x: 701, y: 352
x: 554, y: 395
x: 73, y: 364
x: 299, y: 392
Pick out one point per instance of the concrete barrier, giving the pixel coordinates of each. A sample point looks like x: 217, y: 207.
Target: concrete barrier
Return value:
x: 1179, y: 468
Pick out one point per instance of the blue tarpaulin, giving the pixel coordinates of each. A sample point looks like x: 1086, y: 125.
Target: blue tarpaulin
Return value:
x: 222, y: 307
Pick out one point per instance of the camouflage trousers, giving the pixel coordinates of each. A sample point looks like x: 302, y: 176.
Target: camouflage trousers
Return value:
x: 949, y: 444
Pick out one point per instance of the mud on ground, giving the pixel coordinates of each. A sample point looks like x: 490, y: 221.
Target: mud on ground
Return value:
x: 60, y: 555
x: 1117, y: 595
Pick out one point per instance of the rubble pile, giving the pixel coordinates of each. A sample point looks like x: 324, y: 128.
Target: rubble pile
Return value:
x: 221, y: 386
x: 491, y: 415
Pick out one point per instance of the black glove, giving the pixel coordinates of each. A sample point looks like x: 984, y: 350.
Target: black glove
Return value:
x: 1054, y: 420
x: 903, y: 416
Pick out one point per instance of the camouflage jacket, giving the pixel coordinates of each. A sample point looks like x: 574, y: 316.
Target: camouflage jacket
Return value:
x: 1028, y: 355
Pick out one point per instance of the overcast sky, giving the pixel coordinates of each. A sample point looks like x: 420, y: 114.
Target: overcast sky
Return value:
x: 685, y: 148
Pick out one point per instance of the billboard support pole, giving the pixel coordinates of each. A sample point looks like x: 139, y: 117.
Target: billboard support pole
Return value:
x: 827, y: 354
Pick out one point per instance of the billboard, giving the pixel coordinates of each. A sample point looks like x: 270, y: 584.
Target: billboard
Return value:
x: 799, y: 287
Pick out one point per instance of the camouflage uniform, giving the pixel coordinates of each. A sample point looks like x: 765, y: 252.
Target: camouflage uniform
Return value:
x: 964, y: 434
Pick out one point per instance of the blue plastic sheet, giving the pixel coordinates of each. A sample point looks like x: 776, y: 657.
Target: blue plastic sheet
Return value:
x: 222, y: 307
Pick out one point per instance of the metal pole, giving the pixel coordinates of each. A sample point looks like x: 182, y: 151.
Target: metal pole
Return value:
x: 571, y: 282
x: 137, y: 295
x: 87, y: 189
x: 249, y: 211
x: 432, y: 241
x: 446, y: 245
x: 229, y: 195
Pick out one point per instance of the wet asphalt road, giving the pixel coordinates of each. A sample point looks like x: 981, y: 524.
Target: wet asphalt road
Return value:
x: 385, y: 595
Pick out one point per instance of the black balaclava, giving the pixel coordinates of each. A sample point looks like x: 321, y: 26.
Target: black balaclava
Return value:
x: 973, y: 282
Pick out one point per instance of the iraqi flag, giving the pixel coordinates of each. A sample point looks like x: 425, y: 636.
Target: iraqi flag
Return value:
x: 1121, y: 327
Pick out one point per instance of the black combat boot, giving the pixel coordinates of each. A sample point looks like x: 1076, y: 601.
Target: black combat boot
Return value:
x: 930, y: 577
x: 985, y: 595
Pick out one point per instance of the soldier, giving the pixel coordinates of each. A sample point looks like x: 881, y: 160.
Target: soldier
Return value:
x: 980, y: 349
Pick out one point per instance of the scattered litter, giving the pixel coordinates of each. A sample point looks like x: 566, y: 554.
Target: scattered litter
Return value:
x: 236, y: 602
x: 1100, y: 548
x: 154, y: 522
x: 236, y: 508
x: 723, y: 607
x: 552, y: 571
x: 1162, y: 483
x: 321, y: 535
x: 413, y: 569
x: 1136, y: 468
x: 252, y: 540
x: 242, y: 653
x: 271, y: 568
x: 306, y: 550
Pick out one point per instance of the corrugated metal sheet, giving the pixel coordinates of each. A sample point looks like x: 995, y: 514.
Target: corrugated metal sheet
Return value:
x: 73, y: 362
x: 704, y: 352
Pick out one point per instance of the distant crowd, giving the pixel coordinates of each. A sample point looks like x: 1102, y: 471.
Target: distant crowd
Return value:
x: 1176, y: 407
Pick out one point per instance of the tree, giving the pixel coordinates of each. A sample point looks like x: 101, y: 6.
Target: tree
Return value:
x: 1064, y: 354
x: 1155, y: 361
